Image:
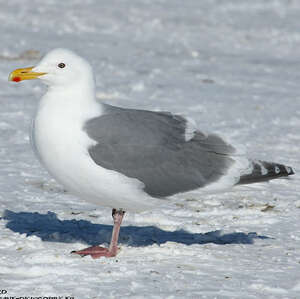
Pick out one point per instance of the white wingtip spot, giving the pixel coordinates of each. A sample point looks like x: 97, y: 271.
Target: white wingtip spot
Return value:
x: 277, y: 169
x: 288, y: 169
x: 263, y: 169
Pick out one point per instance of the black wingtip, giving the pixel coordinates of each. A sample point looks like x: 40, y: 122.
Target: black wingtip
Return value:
x: 265, y: 171
x: 290, y: 170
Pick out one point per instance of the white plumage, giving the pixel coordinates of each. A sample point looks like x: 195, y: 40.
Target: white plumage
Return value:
x: 123, y: 158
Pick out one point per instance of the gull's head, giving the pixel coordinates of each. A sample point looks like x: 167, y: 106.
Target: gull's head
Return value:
x: 60, y: 67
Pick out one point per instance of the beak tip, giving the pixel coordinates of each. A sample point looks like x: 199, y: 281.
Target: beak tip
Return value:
x: 13, y: 78
x: 16, y: 79
x: 23, y: 74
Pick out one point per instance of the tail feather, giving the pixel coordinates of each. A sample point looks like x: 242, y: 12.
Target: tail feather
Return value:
x: 265, y: 171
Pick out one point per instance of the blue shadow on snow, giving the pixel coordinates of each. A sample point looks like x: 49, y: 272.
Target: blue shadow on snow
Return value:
x: 49, y: 228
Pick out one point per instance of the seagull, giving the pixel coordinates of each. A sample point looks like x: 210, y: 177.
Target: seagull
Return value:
x: 126, y: 159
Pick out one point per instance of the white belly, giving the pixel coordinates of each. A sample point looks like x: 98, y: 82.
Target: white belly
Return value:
x: 62, y: 147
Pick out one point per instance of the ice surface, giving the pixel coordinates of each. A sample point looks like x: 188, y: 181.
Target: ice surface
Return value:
x: 233, y: 67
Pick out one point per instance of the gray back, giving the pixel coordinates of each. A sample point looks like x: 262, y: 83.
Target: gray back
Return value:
x: 151, y: 147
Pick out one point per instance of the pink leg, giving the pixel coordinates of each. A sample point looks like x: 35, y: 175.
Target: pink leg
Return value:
x: 97, y: 251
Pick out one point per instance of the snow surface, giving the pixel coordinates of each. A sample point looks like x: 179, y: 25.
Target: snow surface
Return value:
x: 234, y: 67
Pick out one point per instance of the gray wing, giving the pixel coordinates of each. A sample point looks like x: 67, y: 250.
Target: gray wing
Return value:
x: 151, y: 147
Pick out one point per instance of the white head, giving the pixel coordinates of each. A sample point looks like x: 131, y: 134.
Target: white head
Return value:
x: 60, y: 67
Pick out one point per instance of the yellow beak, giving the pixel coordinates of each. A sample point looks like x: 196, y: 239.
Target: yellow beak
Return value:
x: 24, y: 74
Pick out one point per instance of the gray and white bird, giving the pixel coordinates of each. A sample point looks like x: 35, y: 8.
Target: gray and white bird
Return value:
x: 126, y: 159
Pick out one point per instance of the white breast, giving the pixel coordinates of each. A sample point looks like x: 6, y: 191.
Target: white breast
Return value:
x: 62, y: 147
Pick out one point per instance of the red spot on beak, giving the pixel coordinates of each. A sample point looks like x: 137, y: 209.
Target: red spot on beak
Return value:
x: 16, y: 79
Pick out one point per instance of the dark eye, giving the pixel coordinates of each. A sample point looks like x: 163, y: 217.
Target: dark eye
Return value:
x: 61, y: 65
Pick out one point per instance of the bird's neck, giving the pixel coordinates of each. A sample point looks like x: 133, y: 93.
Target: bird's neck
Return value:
x: 79, y: 91
x: 76, y: 102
